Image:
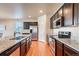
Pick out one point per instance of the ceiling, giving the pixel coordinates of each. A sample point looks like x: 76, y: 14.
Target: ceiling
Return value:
x: 23, y: 10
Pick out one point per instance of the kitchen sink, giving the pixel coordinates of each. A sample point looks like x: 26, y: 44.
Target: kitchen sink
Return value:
x: 17, y: 38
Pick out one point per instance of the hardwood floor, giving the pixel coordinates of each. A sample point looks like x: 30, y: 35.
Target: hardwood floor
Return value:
x: 39, y: 49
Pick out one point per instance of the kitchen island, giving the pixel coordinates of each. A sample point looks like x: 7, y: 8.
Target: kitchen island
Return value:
x: 8, y: 46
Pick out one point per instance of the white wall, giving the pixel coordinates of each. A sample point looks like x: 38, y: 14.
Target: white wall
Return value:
x: 42, y: 28
x: 10, y: 27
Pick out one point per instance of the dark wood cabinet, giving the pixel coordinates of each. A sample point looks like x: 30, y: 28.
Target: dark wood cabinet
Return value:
x: 59, y: 48
x: 51, y: 23
x: 60, y: 12
x: 28, y: 44
x: 25, y: 46
x: 19, y: 49
x: 76, y: 14
x: 12, y: 51
x: 56, y: 16
x: 62, y: 49
x: 28, y: 24
x: 33, y: 23
x: 69, y: 51
x: 68, y: 14
x: 23, y: 50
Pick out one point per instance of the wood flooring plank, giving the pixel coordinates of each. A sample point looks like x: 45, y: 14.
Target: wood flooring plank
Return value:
x: 39, y: 49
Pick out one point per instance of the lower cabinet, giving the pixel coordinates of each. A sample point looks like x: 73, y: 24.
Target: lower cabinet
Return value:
x: 13, y: 51
x: 28, y: 44
x: 22, y: 49
x: 59, y: 49
x: 64, y: 50
x: 69, y: 51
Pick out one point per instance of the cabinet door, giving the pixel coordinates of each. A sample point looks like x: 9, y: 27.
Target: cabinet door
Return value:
x: 23, y: 45
x: 59, y: 51
x: 23, y: 49
x: 68, y: 14
x: 51, y: 23
x: 75, y: 14
x: 78, y: 14
x: 56, y: 15
x: 70, y: 52
x: 27, y: 44
x: 26, y: 25
x: 13, y: 51
x: 59, y: 48
x: 60, y: 12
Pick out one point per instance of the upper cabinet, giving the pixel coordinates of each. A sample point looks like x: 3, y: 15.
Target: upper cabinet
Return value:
x: 57, y: 19
x: 51, y: 23
x: 76, y: 14
x: 60, y: 13
x: 68, y: 14
x: 28, y: 24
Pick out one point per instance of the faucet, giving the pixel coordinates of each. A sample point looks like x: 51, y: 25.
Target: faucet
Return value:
x: 16, y: 33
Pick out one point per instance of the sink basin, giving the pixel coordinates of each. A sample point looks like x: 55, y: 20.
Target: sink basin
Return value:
x: 17, y: 38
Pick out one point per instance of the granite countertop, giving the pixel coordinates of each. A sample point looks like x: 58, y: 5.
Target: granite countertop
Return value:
x: 7, y: 43
x: 68, y: 41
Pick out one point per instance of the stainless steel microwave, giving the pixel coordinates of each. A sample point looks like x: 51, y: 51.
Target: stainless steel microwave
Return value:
x: 58, y: 22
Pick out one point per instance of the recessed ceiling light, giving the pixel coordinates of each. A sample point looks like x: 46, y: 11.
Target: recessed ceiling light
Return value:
x: 29, y: 16
x: 41, y: 11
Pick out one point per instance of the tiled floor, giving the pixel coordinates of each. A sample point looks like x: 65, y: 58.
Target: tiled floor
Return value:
x: 39, y: 49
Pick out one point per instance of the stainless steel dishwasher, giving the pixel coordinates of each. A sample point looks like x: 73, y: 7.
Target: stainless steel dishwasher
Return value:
x: 52, y: 45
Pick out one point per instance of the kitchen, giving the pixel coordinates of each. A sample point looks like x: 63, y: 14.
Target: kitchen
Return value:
x: 53, y: 24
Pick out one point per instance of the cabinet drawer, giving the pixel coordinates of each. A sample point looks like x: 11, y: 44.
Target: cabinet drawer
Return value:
x: 69, y: 51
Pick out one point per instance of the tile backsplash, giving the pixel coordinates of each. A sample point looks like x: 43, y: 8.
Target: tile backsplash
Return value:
x: 74, y: 31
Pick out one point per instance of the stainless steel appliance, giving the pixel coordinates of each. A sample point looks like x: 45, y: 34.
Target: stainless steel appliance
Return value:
x: 52, y: 45
x: 64, y: 34
x: 58, y: 22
